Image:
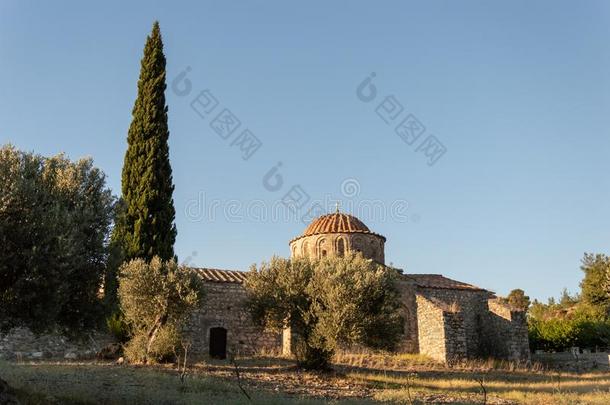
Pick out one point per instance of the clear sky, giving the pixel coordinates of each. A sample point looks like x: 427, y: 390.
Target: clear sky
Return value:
x: 517, y: 93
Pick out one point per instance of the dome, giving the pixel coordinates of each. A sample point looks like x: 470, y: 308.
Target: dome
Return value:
x: 336, y: 222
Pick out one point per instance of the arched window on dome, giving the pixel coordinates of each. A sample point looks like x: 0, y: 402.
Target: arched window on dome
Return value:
x: 321, y: 248
x: 340, y: 247
x: 304, y: 248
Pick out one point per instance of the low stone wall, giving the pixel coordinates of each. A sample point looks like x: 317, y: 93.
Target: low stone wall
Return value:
x: 21, y: 344
x: 574, y: 362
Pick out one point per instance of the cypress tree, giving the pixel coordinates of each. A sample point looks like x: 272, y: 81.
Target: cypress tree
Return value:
x: 145, y: 227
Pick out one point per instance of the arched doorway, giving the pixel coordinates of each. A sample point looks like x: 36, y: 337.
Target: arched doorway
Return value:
x: 218, y: 343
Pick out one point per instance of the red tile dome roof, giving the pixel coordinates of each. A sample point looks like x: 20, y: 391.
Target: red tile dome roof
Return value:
x: 336, y: 222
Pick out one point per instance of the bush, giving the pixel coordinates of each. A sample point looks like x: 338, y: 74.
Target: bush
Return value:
x: 558, y: 334
x: 118, y: 327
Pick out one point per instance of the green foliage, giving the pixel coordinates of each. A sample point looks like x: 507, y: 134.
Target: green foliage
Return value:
x: 355, y: 302
x: 277, y: 292
x: 146, y: 227
x: 575, y: 320
x: 595, y: 284
x: 558, y: 334
x: 55, y: 217
x: 165, y: 348
x: 156, y: 298
x: 312, y: 355
x: 118, y: 327
x: 328, y: 303
x: 553, y: 334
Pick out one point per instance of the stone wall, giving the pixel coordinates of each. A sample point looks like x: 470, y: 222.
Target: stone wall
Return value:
x: 442, y: 335
x: 574, y: 362
x: 332, y: 244
x: 409, y: 341
x: 506, y: 331
x: 223, y: 307
x: 454, y: 323
x: 473, y: 306
x: 21, y: 344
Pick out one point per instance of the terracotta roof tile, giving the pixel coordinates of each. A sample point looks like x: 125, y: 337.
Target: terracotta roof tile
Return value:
x: 336, y: 222
x: 221, y: 276
x: 439, y: 281
x: 421, y: 280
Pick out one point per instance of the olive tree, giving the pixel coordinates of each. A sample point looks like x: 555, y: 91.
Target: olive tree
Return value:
x: 55, y: 217
x: 156, y: 298
x: 328, y: 303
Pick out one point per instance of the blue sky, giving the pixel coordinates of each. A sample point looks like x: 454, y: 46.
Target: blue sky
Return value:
x: 517, y: 92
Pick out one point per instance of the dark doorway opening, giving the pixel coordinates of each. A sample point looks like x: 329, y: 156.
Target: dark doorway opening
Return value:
x: 218, y: 343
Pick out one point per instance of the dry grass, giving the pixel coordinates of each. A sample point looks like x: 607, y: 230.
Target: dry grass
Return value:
x: 105, y: 383
x: 501, y: 386
x: 360, y: 378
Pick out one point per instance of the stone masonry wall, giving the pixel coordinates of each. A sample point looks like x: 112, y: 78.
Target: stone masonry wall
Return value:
x: 488, y: 326
x: 473, y: 306
x: 442, y: 335
x: 371, y: 245
x: 506, y: 331
x: 409, y: 341
x: 21, y: 344
x: 223, y: 307
x: 455, y: 336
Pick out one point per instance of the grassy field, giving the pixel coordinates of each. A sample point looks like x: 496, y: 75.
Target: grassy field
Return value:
x: 356, y: 379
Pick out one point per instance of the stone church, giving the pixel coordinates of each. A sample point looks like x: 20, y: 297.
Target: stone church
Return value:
x: 445, y: 319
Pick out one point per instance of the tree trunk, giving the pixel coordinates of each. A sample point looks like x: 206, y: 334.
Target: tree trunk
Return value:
x: 152, y: 334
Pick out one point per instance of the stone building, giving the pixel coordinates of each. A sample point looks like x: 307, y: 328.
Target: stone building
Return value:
x: 445, y: 319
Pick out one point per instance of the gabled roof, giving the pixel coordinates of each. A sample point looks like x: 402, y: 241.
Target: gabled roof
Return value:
x: 221, y: 276
x: 420, y: 280
x: 439, y: 281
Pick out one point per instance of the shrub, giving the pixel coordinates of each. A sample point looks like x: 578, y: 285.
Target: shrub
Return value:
x: 118, y: 327
x: 558, y: 334
x: 135, y: 349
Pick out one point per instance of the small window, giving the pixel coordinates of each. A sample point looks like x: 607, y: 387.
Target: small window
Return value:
x: 321, y: 251
x: 340, y: 247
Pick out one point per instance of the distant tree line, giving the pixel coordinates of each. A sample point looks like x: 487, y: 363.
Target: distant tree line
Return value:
x: 581, y: 320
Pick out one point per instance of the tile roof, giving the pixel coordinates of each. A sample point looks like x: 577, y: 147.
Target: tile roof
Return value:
x: 421, y: 280
x: 336, y: 222
x: 221, y: 276
x: 438, y: 281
